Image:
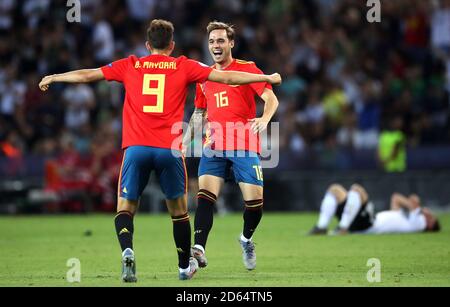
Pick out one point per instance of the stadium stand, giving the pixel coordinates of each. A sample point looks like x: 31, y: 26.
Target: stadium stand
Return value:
x: 343, y: 80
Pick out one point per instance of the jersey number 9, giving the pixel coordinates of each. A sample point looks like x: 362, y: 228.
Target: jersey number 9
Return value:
x: 156, y: 91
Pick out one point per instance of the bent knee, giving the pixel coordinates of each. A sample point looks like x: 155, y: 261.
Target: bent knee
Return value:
x: 210, y: 183
x: 395, y: 196
x: 361, y: 191
x: 178, y: 206
x: 251, y: 192
x: 338, y: 191
x: 254, y: 205
x: 207, y: 195
x: 124, y: 204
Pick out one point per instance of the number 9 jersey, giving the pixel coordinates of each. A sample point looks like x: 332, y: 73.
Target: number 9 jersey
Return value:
x: 155, y: 95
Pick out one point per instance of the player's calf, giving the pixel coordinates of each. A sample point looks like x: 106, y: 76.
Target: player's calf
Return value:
x: 335, y: 197
x: 356, y: 199
x: 124, y: 225
x: 182, y: 236
x: 203, y: 223
x: 252, y: 217
x: 361, y: 191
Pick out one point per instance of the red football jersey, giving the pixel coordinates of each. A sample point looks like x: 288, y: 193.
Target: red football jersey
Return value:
x: 229, y: 109
x: 155, y: 94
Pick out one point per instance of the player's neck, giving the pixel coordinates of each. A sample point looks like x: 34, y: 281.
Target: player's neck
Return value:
x: 161, y: 52
x: 225, y: 63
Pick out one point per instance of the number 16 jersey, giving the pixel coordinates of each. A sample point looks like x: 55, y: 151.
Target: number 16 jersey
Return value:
x: 229, y: 109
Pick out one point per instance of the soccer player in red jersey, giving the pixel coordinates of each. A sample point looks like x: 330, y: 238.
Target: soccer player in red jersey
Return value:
x: 232, y: 141
x: 156, y: 87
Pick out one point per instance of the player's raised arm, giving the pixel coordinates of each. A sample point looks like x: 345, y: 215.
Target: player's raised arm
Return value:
x: 399, y: 201
x: 270, y: 107
x: 76, y: 76
x: 240, y: 78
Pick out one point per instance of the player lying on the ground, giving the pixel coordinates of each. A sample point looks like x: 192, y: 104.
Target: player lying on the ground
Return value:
x: 156, y: 89
x: 355, y: 213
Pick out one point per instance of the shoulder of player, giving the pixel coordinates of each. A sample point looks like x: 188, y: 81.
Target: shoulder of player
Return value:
x: 243, y: 62
x: 184, y: 59
x: 181, y: 58
x: 130, y: 59
x: 133, y: 59
x: 249, y: 66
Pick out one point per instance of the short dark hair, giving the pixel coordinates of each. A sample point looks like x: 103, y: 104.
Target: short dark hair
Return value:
x: 160, y: 33
x: 217, y: 25
x: 436, y: 226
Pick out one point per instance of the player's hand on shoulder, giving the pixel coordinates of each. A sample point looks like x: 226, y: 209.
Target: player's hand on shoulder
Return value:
x: 45, y: 83
x: 275, y: 79
x: 258, y: 124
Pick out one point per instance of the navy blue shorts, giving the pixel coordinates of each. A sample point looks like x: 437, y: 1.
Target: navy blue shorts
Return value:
x: 246, y: 165
x: 140, y: 161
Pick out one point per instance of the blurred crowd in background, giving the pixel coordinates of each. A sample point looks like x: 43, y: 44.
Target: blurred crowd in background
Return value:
x: 345, y: 79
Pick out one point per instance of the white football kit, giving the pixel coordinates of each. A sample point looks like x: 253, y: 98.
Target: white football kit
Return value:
x: 397, y: 221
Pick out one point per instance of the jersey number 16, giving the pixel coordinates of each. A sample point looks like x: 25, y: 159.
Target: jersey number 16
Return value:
x: 221, y: 99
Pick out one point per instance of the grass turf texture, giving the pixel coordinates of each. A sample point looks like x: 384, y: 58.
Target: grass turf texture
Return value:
x: 34, y: 252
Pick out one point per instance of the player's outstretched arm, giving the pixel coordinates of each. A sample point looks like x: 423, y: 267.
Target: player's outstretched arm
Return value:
x: 240, y: 78
x: 76, y: 76
x: 195, y: 121
x: 270, y: 107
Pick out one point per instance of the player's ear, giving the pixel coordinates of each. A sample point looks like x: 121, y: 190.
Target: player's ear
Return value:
x: 149, y: 47
x: 232, y: 44
x: 172, y: 46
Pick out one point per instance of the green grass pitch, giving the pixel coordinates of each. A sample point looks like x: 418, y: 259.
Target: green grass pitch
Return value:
x: 34, y: 252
